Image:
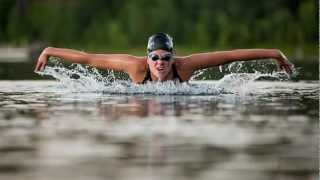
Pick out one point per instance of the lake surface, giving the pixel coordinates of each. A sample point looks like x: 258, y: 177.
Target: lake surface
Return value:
x: 204, y: 130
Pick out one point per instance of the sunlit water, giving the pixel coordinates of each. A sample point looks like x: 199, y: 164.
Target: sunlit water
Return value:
x: 86, y: 126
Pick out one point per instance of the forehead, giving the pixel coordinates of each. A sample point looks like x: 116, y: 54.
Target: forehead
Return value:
x: 160, y: 52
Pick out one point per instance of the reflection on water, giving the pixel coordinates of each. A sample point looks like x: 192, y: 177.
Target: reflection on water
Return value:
x: 265, y: 130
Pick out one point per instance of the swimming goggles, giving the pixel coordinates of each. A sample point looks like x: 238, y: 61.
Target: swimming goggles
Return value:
x: 155, y: 57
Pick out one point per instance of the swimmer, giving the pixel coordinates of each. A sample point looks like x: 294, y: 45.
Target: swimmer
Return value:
x: 161, y: 63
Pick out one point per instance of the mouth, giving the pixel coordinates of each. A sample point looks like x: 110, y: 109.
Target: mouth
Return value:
x: 160, y: 69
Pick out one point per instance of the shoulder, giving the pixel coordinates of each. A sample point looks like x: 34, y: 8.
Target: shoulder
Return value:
x: 183, y: 67
x: 139, y: 63
x: 138, y: 69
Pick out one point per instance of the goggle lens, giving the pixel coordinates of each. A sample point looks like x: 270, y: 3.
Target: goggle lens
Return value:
x: 155, y: 57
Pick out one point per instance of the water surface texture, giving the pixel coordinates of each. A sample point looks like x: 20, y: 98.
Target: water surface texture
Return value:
x: 93, y: 127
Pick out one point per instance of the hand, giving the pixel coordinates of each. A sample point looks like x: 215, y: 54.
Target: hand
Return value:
x: 284, y: 63
x: 42, y: 61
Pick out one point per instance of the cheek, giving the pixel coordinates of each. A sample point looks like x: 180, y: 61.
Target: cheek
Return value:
x: 170, y: 65
x: 152, y: 66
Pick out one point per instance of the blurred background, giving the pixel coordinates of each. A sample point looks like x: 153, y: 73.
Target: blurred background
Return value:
x: 123, y: 26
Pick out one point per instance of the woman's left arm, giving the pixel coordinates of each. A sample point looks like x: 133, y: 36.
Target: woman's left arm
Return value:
x: 205, y: 60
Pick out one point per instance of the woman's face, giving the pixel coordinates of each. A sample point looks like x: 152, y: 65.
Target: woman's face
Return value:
x: 160, y: 64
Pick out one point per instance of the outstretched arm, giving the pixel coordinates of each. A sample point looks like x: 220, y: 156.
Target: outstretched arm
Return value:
x: 205, y: 60
x: 118, y: 62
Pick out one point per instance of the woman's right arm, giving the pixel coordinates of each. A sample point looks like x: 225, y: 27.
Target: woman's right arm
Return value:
x: 119, y: 62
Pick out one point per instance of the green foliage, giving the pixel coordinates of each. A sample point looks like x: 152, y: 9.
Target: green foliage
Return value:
x: 119, y: 24
x: 309, y: 21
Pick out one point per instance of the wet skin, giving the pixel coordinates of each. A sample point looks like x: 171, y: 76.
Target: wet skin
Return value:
x: 161, y: 70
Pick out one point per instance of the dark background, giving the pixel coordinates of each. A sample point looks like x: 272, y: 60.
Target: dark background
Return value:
x: 123, y: 26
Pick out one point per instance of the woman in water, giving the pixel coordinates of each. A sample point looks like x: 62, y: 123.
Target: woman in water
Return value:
x: 161, y: 64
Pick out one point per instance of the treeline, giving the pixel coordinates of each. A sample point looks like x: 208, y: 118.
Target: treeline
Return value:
x: 127, y: 23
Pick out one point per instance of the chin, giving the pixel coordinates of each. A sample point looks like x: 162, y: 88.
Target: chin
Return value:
x: 162, y: 76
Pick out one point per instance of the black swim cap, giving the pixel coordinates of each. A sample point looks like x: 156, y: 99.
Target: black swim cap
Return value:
x: 160, y: 41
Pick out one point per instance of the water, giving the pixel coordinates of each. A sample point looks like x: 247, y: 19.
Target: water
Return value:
x: 92, y: 127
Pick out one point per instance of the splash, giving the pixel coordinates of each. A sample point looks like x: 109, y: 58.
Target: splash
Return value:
x: 80, y: 78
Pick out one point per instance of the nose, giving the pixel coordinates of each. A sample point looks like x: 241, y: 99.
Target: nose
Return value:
x: 160, y: 62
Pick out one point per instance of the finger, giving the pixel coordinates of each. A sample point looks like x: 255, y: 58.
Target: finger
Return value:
x: 37, y: 66
x: 284, y: 68
x: 291, y: 67
x: 43, y: 65
x: 288, y: 69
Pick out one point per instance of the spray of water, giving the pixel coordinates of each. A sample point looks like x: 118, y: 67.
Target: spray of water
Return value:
x: 80, y: 78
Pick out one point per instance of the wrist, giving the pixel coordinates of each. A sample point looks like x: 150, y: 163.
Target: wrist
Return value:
x: 44, y: 54
x: 47, y: 50
x: 278, y: 55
